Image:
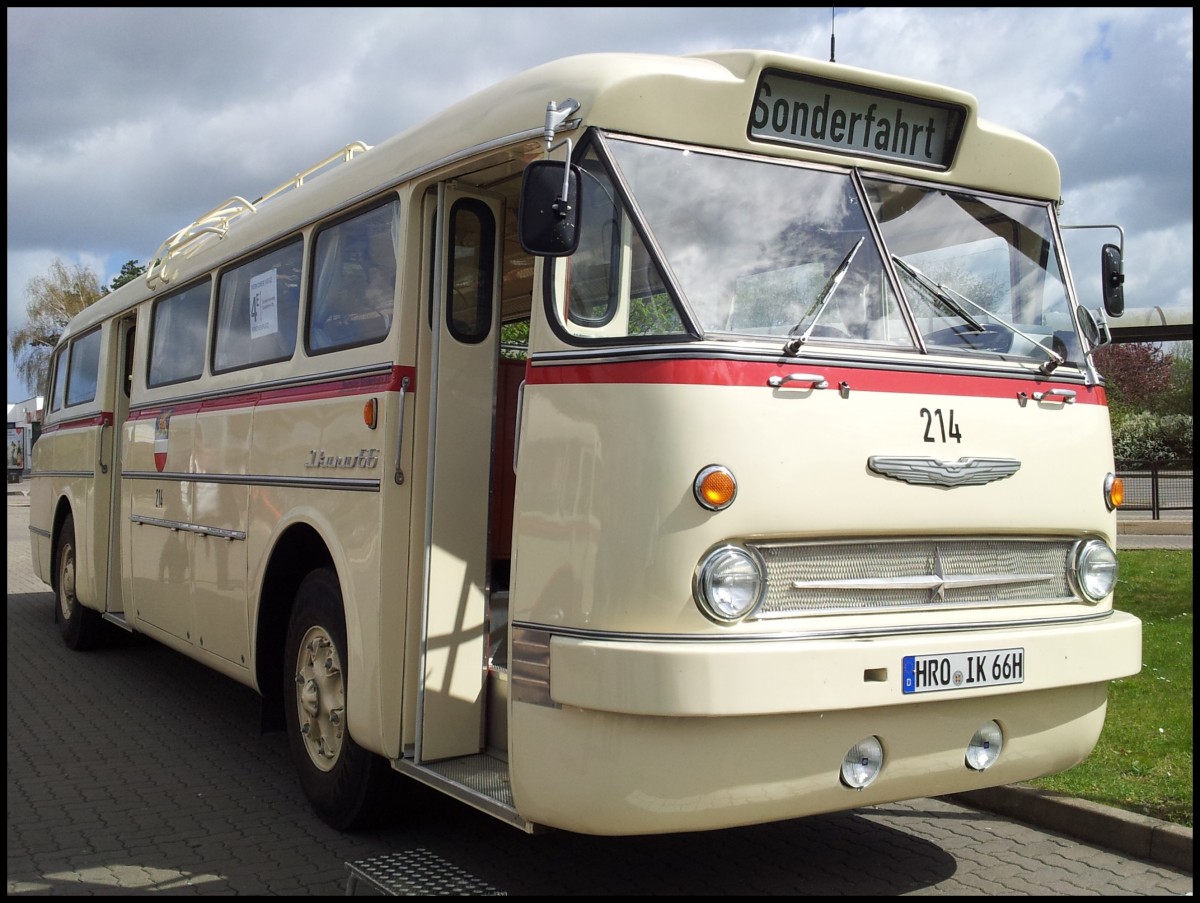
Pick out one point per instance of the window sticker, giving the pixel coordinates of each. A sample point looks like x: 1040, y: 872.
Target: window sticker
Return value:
x: 264, y: 307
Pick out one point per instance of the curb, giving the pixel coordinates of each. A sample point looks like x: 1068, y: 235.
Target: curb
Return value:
x: 1155, y: 527
x: 1125, y: 832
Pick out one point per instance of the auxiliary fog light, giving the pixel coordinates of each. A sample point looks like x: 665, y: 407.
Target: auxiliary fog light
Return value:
x: 984, y: 748
x: 863, y: 763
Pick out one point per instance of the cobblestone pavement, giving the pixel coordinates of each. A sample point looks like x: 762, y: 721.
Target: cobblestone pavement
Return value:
x: 133, y: 770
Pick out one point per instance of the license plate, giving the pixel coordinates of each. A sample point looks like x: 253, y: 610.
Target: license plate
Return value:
x: 963, y: 670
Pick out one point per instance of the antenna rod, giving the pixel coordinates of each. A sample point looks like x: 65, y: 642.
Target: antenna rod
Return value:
x: 832, y: 15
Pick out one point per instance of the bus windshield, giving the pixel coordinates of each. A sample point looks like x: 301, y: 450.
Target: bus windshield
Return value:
x: 798, y: 253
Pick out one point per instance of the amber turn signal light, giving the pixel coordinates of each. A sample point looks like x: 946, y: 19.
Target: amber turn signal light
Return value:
x: 715, y: 487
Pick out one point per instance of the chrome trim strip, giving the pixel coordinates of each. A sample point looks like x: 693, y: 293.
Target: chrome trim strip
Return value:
x: 791, y: 636
x: 291, y: 382
x: 354, y: 485
x: 176, y: 525
x: 38, y: 531
x: 69, y: 474
x: 931, y: 581
x: 910, y: 362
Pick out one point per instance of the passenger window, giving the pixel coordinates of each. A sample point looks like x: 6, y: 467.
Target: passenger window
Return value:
x: 178, y: 329
x: 258, y: 310
x: 84, y: 371
x: 354, y: 287
x: 471, y: 271
x: 60, y: 380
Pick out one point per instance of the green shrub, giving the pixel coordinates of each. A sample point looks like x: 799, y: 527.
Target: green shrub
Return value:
x: 1177, y: 434
x: 1139, y: 437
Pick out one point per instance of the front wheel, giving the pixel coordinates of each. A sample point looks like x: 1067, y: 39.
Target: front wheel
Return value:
x: 343, y: 782
x: 79, y: 625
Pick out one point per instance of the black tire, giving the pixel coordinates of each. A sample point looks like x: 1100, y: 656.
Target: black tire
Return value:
x: 345, y: 784
x: 81, y: 627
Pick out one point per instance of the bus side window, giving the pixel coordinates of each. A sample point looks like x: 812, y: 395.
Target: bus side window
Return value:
x: 60, y: 380
x: 470, y: 271
x: 258, y: 310
x: 84, y: 370
x: 354, y: 281
x: 178, y: 327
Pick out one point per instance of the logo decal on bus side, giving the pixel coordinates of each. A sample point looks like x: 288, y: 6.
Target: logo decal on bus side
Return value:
x: 367, y: 457
x: 162, y: 429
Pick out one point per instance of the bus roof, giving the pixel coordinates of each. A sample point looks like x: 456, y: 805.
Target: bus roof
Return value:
x: 704, y: 99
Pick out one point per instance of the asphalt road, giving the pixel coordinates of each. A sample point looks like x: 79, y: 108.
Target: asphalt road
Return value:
x: 134, y: 770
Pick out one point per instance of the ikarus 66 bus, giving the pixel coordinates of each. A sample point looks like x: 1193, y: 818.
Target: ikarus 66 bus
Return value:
x: 644, y: 444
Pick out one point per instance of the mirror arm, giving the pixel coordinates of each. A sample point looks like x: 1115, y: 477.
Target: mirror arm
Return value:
x: 556, y: 115
x: 561, y: 208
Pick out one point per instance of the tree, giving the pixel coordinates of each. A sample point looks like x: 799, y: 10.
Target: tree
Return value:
x: 1179, y: 397
x: 1150, y: 401
x: 1138, y: 376
x: 51, y: 301
x: 129, y: 271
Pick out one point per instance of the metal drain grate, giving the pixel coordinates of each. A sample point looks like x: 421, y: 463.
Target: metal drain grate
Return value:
x: 416, y: 873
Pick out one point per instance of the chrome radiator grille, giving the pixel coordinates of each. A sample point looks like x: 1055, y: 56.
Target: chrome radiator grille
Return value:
x: 889, y: 575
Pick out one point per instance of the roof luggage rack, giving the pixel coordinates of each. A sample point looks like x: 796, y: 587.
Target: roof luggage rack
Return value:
x: 191, y: 238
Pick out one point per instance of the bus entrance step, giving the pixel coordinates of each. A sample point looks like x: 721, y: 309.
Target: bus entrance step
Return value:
x: 416, y: 873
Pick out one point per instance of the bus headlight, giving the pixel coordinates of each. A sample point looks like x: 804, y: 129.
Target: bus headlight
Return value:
x: 1094, y: 570
x: 729, y: 583
x: 862, y: 763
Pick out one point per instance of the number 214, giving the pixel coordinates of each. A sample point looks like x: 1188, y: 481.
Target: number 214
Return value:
x: 947, y: 429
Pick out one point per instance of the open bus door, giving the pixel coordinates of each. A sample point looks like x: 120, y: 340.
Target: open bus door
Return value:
x: 123, y: 347
x: 465, y: 340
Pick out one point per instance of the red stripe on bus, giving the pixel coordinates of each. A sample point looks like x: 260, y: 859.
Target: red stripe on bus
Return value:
x: 698, y: 372
x: 334, y: 388
x: 104, y: 418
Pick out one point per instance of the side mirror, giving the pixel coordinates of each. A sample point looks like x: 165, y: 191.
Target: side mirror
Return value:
x: 1095, y: 332
x: 1113, y: 280
x: 548, y: 216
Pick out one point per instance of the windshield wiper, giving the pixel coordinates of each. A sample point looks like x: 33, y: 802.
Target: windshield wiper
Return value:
x: 948, y: 296
x: 822, y: 299
x: 941, y: 292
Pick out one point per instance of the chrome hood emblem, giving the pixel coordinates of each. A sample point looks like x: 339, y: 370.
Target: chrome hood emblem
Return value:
x: 924, y: 471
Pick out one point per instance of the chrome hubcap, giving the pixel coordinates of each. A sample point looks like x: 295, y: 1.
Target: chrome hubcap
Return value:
x: 66, y: 582
x: 320, y: 698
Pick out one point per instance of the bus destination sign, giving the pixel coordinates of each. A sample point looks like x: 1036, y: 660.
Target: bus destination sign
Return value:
x: 851, y: 119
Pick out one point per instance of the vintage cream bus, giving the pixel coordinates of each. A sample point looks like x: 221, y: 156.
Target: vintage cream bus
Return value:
x: 644, y: 444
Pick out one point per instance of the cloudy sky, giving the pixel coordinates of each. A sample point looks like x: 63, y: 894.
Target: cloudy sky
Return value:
x: 124, y: 124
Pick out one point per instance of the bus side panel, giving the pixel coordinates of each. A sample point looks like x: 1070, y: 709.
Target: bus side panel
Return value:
x: 160, y: 549
x: 61, y: 451
x: 219, y: 597
x: 327, y: 439
x: 43, y: 492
